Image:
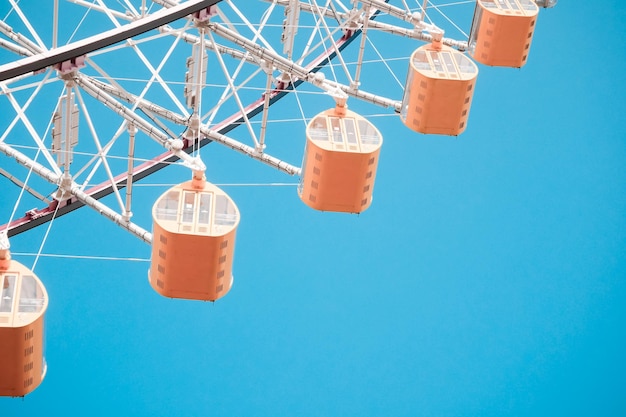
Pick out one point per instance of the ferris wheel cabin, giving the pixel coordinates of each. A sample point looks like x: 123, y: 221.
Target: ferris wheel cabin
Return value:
x: 193, y: 242
x: 23, y: 302
x: 439, y: 89
x: 340, y: 161
x: 502, y: 31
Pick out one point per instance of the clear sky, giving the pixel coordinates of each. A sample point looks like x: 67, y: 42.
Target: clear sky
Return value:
x: 488, y: 278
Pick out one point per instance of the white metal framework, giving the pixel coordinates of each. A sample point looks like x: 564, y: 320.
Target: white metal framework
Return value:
x: 120, y: 89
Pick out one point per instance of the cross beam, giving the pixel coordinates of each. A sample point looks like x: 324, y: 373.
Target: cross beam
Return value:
x: 83, y: 47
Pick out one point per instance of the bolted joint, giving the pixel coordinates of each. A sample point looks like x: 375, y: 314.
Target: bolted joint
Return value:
x: 195, y: 164
x: 65, y: 188
x: 175, y: 145
x: 316, y: 78
x: 126, y: 216
x: 66, y: 68
x: 341, y: 99
x: 194, y: 123
x: 192, y: 134
x: 260, y: 148
x: 282, y: 81
x: 202, y: 17
x: 267, y: 67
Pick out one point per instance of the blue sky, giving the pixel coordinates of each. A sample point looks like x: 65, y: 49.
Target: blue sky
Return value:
x: 487, y: 278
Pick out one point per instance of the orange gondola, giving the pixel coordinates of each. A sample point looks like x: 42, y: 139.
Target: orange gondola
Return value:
x: 340, y: 161
x: 439, y: 90
x: 23, y: 303
x: 502, y: 31
x: 193, y: 243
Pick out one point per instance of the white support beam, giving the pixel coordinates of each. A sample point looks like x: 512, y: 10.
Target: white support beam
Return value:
x: 29, y: 127
x: 23, y: 185
x: 74, y: 189
x: 26, y: 23
x: 250, y: 151
x: 92, y: 43
x: 298, y: 71
x: 175, y: 146
x: 20, y: 39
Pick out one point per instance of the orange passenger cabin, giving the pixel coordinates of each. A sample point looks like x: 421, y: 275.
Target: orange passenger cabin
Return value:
x: 193, y: 242
x: 502, y: 31
x: 439, y: 89
x: 340, y: 161
x: 23, y: 303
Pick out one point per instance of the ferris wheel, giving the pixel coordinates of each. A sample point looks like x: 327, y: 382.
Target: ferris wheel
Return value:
x: 97, y: 95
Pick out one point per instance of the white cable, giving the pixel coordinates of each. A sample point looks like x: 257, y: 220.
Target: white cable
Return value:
x: 385, y: 63
x: 19, y: 197
x: 319, y: 29
x: 102, y: 258
x: 78, y: 25
x: 438, y: 8
x: 258, y: 184
x: 45, y: 237
x: 295, y: 92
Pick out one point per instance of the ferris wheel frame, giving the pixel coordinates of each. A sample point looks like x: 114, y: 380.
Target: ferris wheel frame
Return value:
x: 66, y: 60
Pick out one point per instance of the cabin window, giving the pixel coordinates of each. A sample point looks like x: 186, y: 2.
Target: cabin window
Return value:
x: 189, y: 204
x: 167, y: 207
x: 318, y: 130
x: 447, y: 60
x: 466, y: 66
x: 225, y: 211
x: 436, y: 62
x: 31, y: 296
x: 420, y: 61
x: 204, y: 214
x: 407, y: 95
x: 301, y: 183
x: 476, y: 21
x: 335, y: 126
x: 8, y: 293
x: 350, y: 127
x: 368, y: 133
x: 528, y: 5
x: 513, y: 5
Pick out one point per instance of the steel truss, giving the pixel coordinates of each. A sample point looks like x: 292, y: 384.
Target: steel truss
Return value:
x: 218, y: 33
